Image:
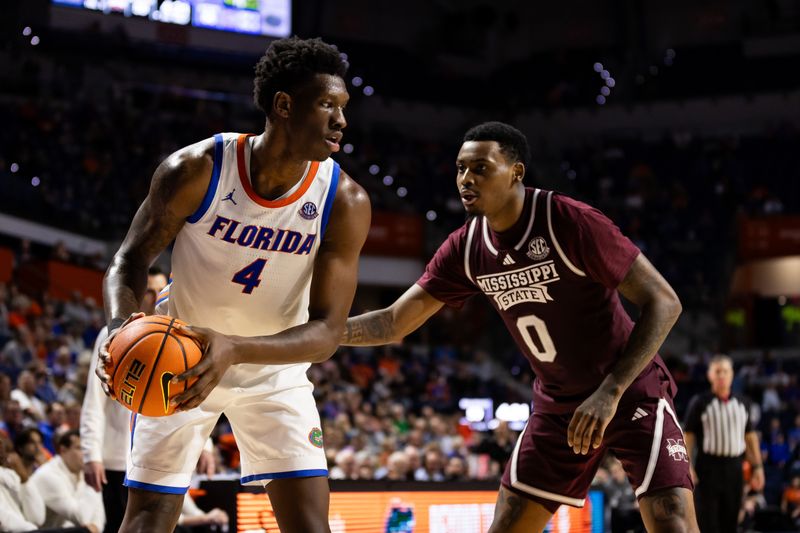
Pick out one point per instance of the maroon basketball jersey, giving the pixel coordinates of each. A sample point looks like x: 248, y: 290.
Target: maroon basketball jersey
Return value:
x: 553, y: 278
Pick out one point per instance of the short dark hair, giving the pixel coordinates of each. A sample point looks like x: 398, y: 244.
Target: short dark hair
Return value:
x: 24, y: 437
x: 290, y: 63
x: 64, y: 440
x: 512, y: 142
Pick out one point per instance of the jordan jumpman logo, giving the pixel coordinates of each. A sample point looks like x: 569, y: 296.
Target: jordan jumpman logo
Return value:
x: 230, y: 197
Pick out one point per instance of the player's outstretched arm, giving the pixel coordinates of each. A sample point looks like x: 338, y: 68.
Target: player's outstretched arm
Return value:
x: 660, y: 308
x: 392, y: 323
x: 332, y: 289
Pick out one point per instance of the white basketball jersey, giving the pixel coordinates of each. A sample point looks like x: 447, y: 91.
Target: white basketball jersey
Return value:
x: 242, y: 265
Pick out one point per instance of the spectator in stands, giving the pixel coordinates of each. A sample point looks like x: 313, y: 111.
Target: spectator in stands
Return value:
x: 365, y: 465
x: 443, y: 433
x: 5, y: 390
x: 790, y: 502
x: 52, y: 425
x: 12, y: 423
x: 67, y: 497
x: 45, y: 390
x: 72, y: 408
x: 432, y: 464
x: 21, y: 509
x: 793, y: 435
x: 345, y: 465
x: 498, y: 446
x: 456, y: 469
x: 396, y: 468
x: 16, y: 352
x: 414, y: 458
x: 25, y: 394
x: 29, y: 446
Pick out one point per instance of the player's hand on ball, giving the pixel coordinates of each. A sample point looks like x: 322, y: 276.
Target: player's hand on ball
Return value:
x: 590, y: 420
x: 101, y: 370
x: 218, y: 355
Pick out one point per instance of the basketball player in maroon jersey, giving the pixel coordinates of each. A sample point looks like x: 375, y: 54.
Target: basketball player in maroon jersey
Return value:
x: 553, y: 268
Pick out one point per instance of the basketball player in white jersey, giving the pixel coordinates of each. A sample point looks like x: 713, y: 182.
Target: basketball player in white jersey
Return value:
x: 267, y: 234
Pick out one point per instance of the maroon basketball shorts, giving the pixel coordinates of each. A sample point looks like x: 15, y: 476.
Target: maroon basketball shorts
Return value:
x: 644, y: 435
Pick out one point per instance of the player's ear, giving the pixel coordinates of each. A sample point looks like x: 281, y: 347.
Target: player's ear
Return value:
x: 518, y: 171
x: 282, y: 104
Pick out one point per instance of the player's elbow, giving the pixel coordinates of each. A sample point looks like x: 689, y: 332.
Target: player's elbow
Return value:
x: 327, y: 349
x: 665, y: 303
x: 673, y: 306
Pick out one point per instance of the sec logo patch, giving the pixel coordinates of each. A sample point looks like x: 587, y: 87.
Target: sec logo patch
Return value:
x: 315, y: 437
x: 309, y: 211
x: 538, y: 249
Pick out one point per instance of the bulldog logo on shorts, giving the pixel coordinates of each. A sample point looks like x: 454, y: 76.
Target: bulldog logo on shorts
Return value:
x: 677, y: 450
x: 315, y: 437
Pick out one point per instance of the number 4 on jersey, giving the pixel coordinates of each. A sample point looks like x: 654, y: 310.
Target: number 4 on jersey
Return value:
x: 250, y: 276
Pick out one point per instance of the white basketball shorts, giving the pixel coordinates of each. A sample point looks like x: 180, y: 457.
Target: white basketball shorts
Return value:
x: 274, y: 419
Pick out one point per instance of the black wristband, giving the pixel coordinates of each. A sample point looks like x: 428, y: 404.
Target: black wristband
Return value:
x: 115, y: 323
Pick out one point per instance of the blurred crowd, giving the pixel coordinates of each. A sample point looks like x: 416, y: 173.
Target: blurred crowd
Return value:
x: 678, y: 197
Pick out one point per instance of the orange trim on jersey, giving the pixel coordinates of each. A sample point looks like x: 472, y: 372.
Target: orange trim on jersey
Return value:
x: 245, y: 179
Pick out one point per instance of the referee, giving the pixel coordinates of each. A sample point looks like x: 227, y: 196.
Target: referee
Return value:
x: 718, y: 423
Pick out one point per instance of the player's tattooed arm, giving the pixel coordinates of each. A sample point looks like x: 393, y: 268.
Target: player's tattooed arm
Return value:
x: 176, y: 190
x: 369, y: 328
x: 392, y: 323
x: 660, y: 308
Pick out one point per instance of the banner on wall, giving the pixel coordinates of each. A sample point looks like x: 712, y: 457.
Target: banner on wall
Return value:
x: 445, y: 511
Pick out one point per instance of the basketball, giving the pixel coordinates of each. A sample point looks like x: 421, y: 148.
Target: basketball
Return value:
x: 145, y: 355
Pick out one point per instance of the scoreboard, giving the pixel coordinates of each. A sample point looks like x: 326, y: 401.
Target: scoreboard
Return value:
x: 272, y: 18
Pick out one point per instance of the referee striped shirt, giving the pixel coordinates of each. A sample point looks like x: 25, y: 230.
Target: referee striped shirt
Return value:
x: 720, y: 425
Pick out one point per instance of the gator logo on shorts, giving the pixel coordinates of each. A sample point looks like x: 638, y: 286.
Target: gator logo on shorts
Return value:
x: 677, y: 450
x: 315, y: 437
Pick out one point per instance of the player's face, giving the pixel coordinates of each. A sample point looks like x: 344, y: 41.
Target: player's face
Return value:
x: 317, y: 117
x: 485, y: 177
x: 720, y: 374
